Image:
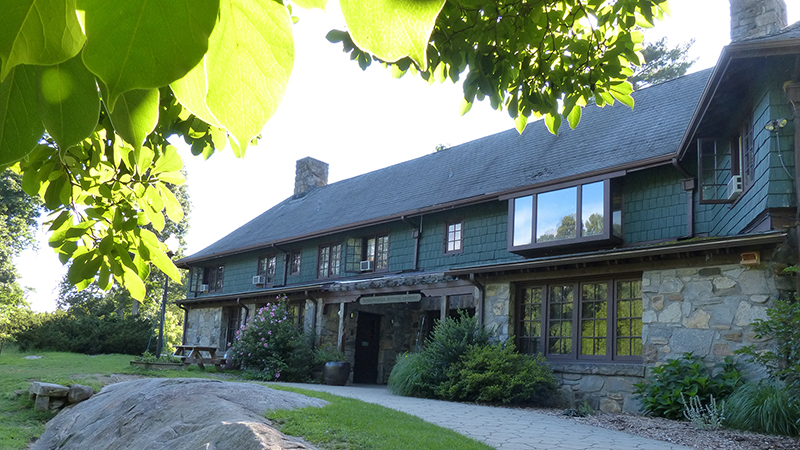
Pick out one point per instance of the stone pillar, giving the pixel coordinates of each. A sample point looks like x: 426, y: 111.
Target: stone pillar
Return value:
x: 309, y: 173
x: 445, y: 307
x: 756, y: 18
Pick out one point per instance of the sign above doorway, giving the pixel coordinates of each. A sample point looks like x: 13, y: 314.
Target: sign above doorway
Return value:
x: 394, y: 298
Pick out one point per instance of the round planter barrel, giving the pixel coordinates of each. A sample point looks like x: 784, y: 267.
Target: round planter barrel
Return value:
x: 336, y: 373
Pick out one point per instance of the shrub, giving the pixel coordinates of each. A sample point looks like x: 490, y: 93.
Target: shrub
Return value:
x: 60, y: 331
x: 451, y: 339
x: 686, y: 376
x: 498, y: 374
x: 271, y: 347
x: 767, y: 407
x: 407, y: 375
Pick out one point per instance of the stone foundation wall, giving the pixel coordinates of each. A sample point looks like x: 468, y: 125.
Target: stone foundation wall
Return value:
x: 204, y: 327
x: 606, y: 387
x: 708, y: 311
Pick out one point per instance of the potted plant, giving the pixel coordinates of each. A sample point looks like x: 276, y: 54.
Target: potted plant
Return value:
x: 148, y: 361
x: 335, y: 370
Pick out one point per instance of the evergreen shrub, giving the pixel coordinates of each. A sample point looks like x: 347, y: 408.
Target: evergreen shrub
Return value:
x: 497, y: 373
x: 271, y: 347
x: 766, y: 407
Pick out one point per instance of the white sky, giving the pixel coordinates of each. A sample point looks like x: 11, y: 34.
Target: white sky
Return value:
x: 356, y: 122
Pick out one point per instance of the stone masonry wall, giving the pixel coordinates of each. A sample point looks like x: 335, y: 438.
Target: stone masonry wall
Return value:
x: 203, y: 326
x: 707, y: 311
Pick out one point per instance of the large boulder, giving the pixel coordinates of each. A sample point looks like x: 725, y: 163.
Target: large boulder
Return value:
x: 178, y: 413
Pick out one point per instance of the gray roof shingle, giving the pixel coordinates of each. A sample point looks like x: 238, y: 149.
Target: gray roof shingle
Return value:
x: 606, y: 138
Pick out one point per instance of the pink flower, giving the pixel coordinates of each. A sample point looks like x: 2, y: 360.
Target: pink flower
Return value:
x: 265, y: 344
x: 248, y: 354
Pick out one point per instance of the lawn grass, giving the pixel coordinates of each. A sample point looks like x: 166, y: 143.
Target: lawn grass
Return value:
x: 345, y: 424
x: 355, y: 425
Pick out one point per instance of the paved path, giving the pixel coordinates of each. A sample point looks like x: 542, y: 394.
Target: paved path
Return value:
x: 501, y: 428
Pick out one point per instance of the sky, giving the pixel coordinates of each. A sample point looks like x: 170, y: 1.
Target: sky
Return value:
x: 356, y: 121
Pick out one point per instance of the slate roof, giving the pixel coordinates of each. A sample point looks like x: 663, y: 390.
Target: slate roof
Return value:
x: 786, y: 33
x: 606, y: 138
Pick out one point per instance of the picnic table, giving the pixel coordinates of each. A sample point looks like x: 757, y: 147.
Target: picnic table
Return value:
x: 193, y: 354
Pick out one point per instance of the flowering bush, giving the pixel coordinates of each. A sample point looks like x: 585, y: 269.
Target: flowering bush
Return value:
x: 271, y: 347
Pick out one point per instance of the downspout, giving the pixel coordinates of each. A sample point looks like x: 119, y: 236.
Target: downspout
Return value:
x: 688, y: 186
x: 415, y: 233
x: 246, y: 309
x: 480, y: 303
x: 792, y: 90
x: 185, y: 319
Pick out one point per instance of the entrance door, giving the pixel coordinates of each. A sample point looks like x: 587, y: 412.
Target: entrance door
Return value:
x: 367, y: 346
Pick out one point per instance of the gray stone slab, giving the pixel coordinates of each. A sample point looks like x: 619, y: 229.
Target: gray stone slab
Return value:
x: 48, y: 389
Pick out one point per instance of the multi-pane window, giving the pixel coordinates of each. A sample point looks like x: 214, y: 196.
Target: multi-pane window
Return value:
x: 329, y: 261
x: 582, y: 320
x: 294, y: 262
x: 454, y: 237
x: 584, y: 212
x: 208, y: 279
x: 295, y: 313
x: 267, y: 268
x: 726, y: 165
x: 234, y: 318
x: 374, y: 249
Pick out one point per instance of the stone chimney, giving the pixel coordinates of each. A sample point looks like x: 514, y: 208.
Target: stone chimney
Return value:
x: 310, y: 172
x: 756, y: 18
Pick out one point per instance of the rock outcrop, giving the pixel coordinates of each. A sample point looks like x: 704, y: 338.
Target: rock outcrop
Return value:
x: 178, y: 413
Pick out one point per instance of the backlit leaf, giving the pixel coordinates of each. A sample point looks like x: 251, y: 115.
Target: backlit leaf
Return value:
x: 309, y: 4
x: 136, y: 115
x: 250, y: 58
x: 20, y: 126
x: 42, y: 32
x: 69, y: 104
x: 171, y: 204
x: 141, y: 44
x: 392, y: 29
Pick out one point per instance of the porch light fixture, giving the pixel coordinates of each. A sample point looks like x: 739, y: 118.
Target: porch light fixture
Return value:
x: 776, y: 124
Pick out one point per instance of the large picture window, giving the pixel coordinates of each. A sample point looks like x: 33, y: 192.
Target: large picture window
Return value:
x: 570, y: 215
x: 591, y: 320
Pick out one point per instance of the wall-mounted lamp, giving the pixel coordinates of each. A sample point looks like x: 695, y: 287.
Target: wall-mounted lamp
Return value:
x: 776, y: 124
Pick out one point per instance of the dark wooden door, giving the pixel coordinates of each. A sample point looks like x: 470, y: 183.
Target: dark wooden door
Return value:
x: 367, y: 346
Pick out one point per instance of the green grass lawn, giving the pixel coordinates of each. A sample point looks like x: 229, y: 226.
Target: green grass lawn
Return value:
x: 345, y: 424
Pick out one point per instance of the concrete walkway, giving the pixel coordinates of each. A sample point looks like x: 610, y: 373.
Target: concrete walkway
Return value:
x: 501, y: 428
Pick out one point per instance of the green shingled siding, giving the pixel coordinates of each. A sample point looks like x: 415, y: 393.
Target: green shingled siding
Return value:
x: 771, y: 187
x: 485, y: 237
x: 654, y: 205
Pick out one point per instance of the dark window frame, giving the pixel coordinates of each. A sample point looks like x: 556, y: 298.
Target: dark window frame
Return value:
x: 543, y: 322
x: 357, y: 250
x: 334, y: 255
x: 268, y: 267
x: 214, y: 277
x: 295, y: 262
x: 446, y: 247
x: 741, y: 149
x: 610, y: 186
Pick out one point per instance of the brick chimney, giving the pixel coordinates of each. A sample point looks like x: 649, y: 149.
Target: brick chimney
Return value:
x: 756, y: 18
x: 309, y: 173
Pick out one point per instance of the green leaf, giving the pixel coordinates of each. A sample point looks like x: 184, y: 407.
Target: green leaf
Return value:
x: 158, y: 257
x: 309, y: 4
x: 520, y: 122
x: 553, y: 122
x: 392, y: 29
x: 69, y: 104
x: 141, y: 44
x: 169, y: 161
x: 574, y: 116
x: 144, y: 157
x: 249, y: 60
x: 171, y: 177
x: 155, y: 217
x: 136, y: 115
x: 38, y: 32
x: 171, y: 203
x: 20, y: 127
x: 622, y: 92
x: 133, y: 283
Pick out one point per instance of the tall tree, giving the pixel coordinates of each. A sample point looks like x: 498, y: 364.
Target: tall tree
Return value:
x: 18, y: 214
x: 662, y: 63
x: 533, y: 59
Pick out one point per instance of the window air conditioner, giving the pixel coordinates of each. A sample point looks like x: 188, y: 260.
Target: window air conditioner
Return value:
x: 366, y: 265
x: 259, y: 279
x: 203, y: 288
x: 735, y: 187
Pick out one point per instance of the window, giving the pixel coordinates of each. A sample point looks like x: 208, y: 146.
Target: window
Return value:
x: 266, y: 268
x: 234, y: 318
x: 211, y: 276
x: 720, y: 160
x: 329, y: 261
x: 454, y: 237
x: 373, y: 248
x: 571, y: 215
x: 294, y: 262
x: 295, y: 312
x: 591, y: 320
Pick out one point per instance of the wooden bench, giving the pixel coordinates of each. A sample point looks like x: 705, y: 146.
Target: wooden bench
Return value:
x: 193, y: 354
